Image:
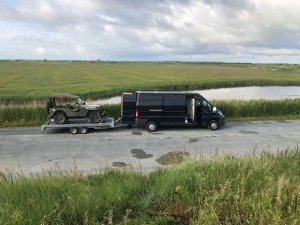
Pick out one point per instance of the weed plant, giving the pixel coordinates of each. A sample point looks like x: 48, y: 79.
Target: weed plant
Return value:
x: 258, y: 188
x: 232, y: 109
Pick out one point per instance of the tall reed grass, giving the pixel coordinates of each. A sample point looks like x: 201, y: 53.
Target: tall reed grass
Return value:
x: 259, y: 109
x: 22, y: 116
x: 232, y: 109
x: 259, y: 188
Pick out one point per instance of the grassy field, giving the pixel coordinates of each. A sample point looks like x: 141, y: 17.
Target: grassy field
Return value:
x: 259, y: 188
x: 33, y: 80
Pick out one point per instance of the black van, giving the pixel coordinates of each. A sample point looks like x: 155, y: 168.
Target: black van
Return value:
x: 151, y: 109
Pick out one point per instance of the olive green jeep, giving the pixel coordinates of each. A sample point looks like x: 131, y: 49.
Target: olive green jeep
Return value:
x: 62, y: 107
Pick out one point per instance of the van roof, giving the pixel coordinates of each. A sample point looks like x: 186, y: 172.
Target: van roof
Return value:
x: 166, y: 92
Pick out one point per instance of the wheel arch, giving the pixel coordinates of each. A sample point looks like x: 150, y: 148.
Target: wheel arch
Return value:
x: 60, y: 111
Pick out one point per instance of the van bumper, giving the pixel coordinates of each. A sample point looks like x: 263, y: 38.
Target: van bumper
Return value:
x: 140, y: 122
x: 222, y: 121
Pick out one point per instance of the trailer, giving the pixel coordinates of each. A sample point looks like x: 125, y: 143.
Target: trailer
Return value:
x: 82, y: 125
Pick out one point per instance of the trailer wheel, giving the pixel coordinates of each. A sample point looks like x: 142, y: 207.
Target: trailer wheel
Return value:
x: 73, y: 130
x: 60, y: 118
x: 83, y: 130
x: 95, y: 117
x: 151, y: 126
x: 213, y: 125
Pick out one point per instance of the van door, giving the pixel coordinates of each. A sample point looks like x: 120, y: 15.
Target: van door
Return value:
x: 174, y: 110
x: 190, y: 107
x: 150, y: 108
x: 204, y: 112
x: 128, y: 108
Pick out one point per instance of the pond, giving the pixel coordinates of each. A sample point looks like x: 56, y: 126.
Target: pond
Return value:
x: 241, y: 93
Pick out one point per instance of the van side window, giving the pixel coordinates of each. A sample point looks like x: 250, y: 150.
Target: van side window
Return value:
x: 174, y: 102
x: 149, y: 100
x: 203, y: 106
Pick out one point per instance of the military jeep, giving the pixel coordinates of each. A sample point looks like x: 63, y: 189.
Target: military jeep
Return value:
x: 62, y: 107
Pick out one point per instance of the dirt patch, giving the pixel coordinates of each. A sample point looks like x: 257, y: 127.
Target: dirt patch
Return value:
x: 174, y: 157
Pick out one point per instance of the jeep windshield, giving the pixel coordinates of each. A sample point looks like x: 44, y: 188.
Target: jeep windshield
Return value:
x: 80, y: 102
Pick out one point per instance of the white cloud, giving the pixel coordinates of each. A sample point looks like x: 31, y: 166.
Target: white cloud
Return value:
x: 79, y: 48
x: 205, y: 30
x: 40, y: 50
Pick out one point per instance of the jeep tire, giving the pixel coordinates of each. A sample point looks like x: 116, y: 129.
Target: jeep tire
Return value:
x: 95, y: 117
x: 60, y: 118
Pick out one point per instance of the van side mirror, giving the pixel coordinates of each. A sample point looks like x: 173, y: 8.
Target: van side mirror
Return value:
x: 214, y: 109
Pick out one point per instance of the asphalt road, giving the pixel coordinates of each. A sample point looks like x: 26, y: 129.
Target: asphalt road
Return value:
x: 28, y: 150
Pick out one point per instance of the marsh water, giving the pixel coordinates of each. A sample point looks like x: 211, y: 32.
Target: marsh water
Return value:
x: 241, y: 93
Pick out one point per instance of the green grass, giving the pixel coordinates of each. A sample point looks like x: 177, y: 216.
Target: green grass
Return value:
x: 33, y: 80
x: 11, y: 116
x: 259, y: 188
x: 259, y: 109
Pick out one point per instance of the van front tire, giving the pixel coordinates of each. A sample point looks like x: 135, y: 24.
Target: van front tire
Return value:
x: 151, y: 126
x: 213, y: 125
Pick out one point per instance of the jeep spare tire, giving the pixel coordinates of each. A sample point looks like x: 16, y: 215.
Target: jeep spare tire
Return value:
x: 60, y: 118
x: 95, y: 117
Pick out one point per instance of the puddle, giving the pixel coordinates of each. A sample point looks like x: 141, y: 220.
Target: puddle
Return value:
x: 140, y: 154
x: 119, y: 164
x: 282, y: 121
x: 174, y: 157
x: 192, y: 140
x: 247, y: 132
x: 266, y: 122
x: 137, y: 132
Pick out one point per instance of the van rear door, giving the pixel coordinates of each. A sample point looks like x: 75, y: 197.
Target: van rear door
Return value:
x: 128, y: 108
x: 149, y: 107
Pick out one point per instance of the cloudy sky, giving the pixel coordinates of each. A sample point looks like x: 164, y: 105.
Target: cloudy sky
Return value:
x: 262, y: 31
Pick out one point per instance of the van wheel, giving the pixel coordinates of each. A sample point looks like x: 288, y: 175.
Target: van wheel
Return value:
x: 213, y: 125
x: 60, y: 118
x: 151, y: 126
